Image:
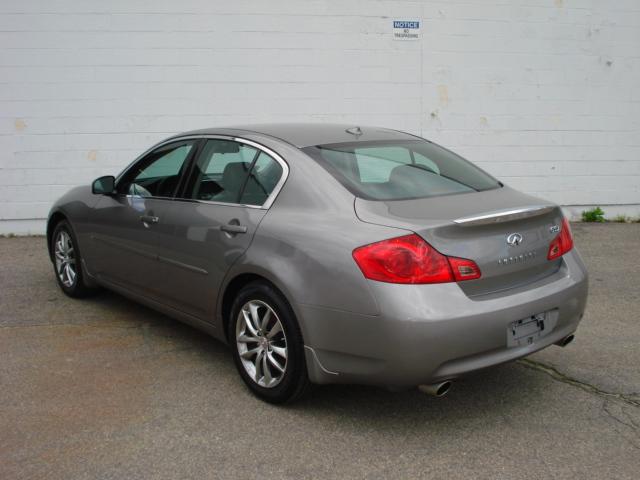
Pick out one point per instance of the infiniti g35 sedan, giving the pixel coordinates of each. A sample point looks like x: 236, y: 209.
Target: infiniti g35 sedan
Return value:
x: 327, y: 254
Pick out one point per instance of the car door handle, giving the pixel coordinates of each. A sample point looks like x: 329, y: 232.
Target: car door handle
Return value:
x: 232, y: 228
x: 149, y: 219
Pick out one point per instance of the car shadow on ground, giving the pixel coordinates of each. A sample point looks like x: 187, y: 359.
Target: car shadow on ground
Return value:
x: 494, y: 393
x: 497, y: 392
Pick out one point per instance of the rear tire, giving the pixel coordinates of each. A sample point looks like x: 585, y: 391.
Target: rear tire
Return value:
x: 267, y: 345
x: 67, y: 262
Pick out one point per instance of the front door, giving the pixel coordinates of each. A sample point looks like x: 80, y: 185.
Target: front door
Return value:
x: 132, y: 228
x: 215, y: 218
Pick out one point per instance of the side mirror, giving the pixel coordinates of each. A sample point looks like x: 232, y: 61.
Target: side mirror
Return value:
x: 104, y: 185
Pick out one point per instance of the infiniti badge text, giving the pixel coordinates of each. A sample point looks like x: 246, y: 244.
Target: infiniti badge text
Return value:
x: 517, y: 258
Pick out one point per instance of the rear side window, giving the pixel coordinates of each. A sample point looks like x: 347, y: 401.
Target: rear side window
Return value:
x: 221, y: 171
x: 232, y: 172
x: 400, y: 169
x: 264, y: 177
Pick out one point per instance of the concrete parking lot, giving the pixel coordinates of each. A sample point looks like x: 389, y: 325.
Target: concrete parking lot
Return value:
x: 105, y: 388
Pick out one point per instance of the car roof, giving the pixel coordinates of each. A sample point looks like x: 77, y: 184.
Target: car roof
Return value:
x: 307, y: 134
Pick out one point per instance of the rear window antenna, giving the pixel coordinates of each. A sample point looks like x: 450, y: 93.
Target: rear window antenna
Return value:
x: 356, y: 131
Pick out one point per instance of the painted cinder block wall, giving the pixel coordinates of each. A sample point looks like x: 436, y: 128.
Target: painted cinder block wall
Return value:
x: 544, y: 94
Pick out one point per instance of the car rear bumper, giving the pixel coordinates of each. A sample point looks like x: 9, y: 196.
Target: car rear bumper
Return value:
x: 427, y: 333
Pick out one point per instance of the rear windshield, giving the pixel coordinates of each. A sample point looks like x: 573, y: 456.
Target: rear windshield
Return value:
x: 400, y: 170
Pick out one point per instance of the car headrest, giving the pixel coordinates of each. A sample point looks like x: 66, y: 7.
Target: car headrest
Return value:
x: 233, y: 175
x: 223, y: 146
x: 409, y: 171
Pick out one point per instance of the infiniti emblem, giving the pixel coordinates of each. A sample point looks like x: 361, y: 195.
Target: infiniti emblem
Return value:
x: 514, y: 239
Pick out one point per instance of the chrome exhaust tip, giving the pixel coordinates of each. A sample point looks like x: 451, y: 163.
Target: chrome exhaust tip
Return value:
x: 436, y: 389
x: 566, y: 340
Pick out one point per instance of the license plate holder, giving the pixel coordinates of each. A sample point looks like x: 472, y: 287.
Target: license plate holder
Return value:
x: 525, y: 331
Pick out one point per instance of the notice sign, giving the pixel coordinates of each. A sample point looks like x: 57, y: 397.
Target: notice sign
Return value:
x: 406, y: 30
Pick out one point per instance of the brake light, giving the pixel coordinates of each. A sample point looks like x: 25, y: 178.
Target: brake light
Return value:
x: 563, y: 243
x: 409, y: 259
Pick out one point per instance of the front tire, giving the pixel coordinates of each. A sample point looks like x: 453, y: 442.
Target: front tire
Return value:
x: 267, y: 345
x: 67, y: 262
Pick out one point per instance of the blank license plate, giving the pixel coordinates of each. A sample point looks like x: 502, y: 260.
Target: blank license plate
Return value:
x: 526, y: 331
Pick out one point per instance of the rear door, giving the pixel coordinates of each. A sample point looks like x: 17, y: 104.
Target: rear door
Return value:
x: 230, y: 187
x: 132, y: 228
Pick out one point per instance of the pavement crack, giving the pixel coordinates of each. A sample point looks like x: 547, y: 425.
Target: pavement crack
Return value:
x: 587, y: 387
x: 617, y: 420
x: 613, y: 416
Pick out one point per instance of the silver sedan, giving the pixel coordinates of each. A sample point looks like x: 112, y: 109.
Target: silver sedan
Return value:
x: 327, y: 254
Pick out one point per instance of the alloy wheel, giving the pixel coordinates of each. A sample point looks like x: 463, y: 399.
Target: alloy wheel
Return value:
x: 261, y: 343
x: 65, y: 259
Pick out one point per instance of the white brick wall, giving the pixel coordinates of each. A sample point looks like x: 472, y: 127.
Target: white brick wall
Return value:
x: 545, y: 94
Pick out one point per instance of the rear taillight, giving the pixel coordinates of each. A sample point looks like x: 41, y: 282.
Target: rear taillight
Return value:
x: 562, y: 243
x: 409, y: 259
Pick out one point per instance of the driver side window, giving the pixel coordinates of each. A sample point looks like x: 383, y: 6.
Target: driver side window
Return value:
x: 158, y: 174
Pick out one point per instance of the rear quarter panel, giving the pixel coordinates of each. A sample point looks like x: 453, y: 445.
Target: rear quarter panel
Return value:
x: 304, y: 243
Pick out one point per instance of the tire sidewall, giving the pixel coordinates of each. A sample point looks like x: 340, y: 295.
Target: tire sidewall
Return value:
x: 295, y: 374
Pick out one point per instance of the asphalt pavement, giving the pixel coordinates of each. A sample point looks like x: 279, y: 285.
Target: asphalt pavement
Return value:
x: 103, y: 388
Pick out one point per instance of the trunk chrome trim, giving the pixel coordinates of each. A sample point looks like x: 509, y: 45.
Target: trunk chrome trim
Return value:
x: 504, y: 216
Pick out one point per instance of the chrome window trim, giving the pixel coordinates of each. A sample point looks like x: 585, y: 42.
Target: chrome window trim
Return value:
x: 223, y: 204
x: 265, y: 206
x: 151, y: 197
x: 194, y: 200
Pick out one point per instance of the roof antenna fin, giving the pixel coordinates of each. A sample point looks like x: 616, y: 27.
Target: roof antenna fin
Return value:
x: 356, y: 131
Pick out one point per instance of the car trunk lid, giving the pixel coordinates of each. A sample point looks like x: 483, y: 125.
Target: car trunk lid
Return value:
x: 507, y: 233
